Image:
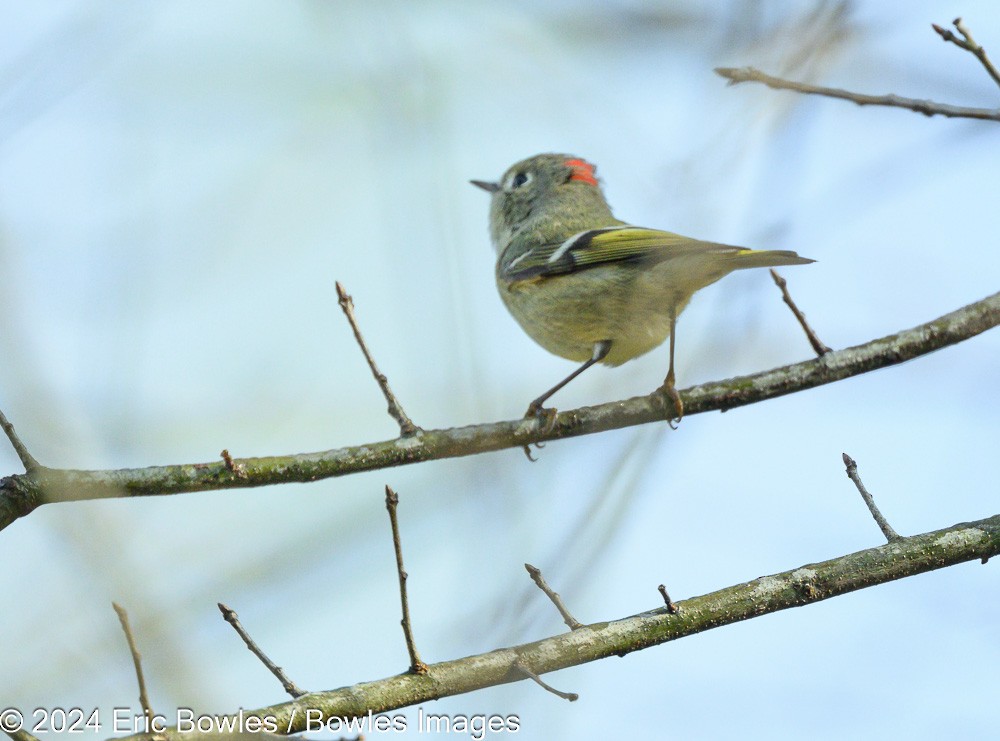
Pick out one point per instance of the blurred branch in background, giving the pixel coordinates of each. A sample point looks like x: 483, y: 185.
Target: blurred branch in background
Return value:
x: 969, y: 44
x: 926, y: 107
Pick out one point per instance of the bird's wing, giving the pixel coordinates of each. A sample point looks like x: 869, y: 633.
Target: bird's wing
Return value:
x: 595, y: 247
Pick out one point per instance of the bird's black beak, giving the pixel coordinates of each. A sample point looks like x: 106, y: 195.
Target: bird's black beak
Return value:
x: 488, y: 187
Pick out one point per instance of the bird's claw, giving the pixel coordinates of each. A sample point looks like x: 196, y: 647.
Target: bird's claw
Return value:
x: 670, y: 390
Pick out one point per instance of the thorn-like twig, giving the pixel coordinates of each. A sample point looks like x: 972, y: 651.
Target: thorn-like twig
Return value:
x: 391, y: 502
x: 147, y: 709
x: 817, y: 344
x: 231, y: 465
x: 536, y: 576
x: 852, y: 473
x: 406, y: 426
x: 969, y: 44
x: 672, y: 607
x: 230, y: 616
x: 571, y: 696
x: 736, y: 75
x: 27, y: 459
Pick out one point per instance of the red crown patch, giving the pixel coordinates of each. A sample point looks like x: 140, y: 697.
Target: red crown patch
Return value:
x: 582, y: 171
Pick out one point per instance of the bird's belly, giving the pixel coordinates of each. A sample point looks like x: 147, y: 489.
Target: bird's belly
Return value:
x: 567, y: 315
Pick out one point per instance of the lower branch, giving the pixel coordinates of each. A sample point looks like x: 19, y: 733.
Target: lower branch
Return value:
x: 802, y: 586
x: 20, y: 494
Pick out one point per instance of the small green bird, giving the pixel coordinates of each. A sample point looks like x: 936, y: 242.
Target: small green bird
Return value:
x: 587, y: 286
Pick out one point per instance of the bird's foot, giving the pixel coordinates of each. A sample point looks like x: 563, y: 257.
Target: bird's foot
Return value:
x: 670, y: 391
x: 546, y: 416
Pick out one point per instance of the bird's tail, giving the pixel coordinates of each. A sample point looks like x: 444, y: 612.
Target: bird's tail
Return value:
x: 768, y: 258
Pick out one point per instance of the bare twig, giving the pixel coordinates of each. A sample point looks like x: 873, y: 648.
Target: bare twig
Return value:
x: 969, y: 44
x: 536, y: 576
x: 391, y: 502
x: 230, y: 616
x: 796, y: 587
x: 852, y: 473
x: 27, y: 459
x: 22, y: 493
x: 18, y: 734
x: 231, y: 465
x: 736, y: 75
x: 817, y: 344
x: 672, y: 608
x: 406, y: 426
x: 571, y: 696
x: 147, y: 710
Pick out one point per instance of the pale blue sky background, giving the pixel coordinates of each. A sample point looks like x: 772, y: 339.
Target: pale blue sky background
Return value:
x: 181, y: 184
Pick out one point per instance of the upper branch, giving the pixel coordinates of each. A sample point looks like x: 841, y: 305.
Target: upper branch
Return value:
x: 737, y: 75
x: 20, y: 494
x: 969, y: 44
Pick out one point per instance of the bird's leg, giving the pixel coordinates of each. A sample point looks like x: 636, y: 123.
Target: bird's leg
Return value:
x: 669, y: 386
x: 535, y: 409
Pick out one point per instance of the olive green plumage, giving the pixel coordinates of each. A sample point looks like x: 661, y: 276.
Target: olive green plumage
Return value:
x: 573, y: 275
x: 587, y: 286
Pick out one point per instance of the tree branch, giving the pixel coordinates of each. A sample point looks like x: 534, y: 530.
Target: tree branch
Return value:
x: 671, y: 605
x: 536, y: 576
x: 395, y: 409
x: 22, y: 493
x: 147, y: 709
x: 391, y: 504
x: 27, y: 459
x: 20, y: 735
x: 736, y: 75
x: 883, y: 524
x: 818, y: 346
x: 571, y: 696
x: 230, y: 616
x: 795, y: 588
x: 969, y: 44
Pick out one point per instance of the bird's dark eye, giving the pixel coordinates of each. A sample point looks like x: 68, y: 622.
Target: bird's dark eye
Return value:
x: 517, y: 179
